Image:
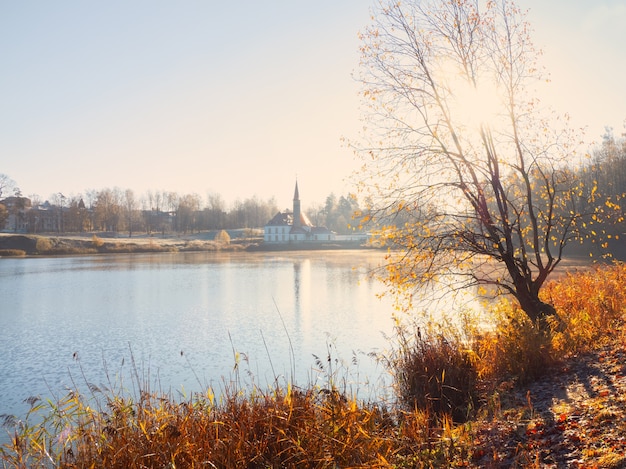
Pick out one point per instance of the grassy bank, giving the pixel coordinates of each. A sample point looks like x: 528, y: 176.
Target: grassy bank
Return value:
x: 48, y: 245
x: 466, y: 397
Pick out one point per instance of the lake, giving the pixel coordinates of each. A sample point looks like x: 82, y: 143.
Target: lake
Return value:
x: 186, y: 320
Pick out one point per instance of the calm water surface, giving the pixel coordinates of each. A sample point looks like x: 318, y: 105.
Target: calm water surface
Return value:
x: 183, y: 317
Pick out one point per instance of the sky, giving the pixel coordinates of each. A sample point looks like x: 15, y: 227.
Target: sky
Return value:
x: 237, y: 98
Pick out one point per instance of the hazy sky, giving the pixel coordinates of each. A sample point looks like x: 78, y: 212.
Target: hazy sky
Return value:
x: 233, y: 97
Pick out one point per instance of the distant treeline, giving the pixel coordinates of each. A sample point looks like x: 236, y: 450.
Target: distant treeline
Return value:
x: 606, y: 173
x: 118, y: 210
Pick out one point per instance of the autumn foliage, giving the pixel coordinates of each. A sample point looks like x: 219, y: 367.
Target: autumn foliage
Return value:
x: 591, y: 302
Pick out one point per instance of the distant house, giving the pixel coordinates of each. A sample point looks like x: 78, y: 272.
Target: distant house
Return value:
x: 294, y: 226
x: 45, y: 217
x: 17, y: 208
x: 24, y: 217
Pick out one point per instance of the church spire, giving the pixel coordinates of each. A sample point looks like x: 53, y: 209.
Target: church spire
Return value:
x: 296, y: 208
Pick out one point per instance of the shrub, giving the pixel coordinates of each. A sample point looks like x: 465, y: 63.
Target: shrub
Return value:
x: 43, y: 245
x: 222, y: 237
x: 514, y: 348
x: 434, y: 372
x: 97, y: 242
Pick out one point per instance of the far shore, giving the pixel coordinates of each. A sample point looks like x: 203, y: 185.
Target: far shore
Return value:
x: 97, y: 243
x: 46, y: 244
x: 68, y: 244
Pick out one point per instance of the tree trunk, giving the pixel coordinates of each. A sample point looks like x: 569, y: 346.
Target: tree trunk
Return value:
x: 539, y: 312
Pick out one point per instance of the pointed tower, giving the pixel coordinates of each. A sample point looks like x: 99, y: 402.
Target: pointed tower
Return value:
x: 296, y: 208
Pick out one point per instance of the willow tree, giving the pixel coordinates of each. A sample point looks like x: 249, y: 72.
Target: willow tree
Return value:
x: 472, y: 180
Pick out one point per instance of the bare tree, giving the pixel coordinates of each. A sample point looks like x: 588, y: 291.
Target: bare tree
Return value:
x: 58, y: 200
x: 6, y: 184
x: 186, y: 212
x: 77, y: 215
x: 457, y: 146
x: 152, y: 211
x: 130, y: 210
x: 215, y: 212
x: 108, y: 209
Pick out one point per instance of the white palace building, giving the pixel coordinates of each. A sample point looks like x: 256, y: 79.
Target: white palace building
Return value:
x: 294, y: 227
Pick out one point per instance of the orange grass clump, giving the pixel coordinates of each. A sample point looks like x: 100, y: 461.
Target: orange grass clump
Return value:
x: 514, y: 349
x: 591, y: 303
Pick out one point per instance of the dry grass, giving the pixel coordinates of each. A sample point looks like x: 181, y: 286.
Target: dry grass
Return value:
x: 591, y: 303
x: 281, y: 428
x: 12, y: 253
x: 97, y: 242
x: 433, y: 372
x: 514, y: 349
x: 43, y: 245
x: 435, y: 422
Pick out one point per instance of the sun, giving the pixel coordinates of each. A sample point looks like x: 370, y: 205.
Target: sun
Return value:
x: 472, y: 101
x: 476, y: 105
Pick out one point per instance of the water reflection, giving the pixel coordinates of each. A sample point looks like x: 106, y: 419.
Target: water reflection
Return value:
x: 302, y: 287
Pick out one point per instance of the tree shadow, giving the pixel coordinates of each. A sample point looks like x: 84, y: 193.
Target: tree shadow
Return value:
x: 560, y: 403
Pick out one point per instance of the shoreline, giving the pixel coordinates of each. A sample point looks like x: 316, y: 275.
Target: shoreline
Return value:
x: 48, y: 244
x: 16, y: 245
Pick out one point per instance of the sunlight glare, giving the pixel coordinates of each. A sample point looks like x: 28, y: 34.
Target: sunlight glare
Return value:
x: 475, y: 105
x: 472, y: 101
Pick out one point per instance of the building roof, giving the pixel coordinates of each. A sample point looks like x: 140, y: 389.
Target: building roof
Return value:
x: 286, y: 218
x: 281, y: 219
x: 304, y: 220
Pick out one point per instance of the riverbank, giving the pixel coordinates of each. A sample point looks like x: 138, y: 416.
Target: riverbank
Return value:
x: 102, y: 243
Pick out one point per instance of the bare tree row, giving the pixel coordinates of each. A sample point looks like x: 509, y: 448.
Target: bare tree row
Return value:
x: 117, y: 210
